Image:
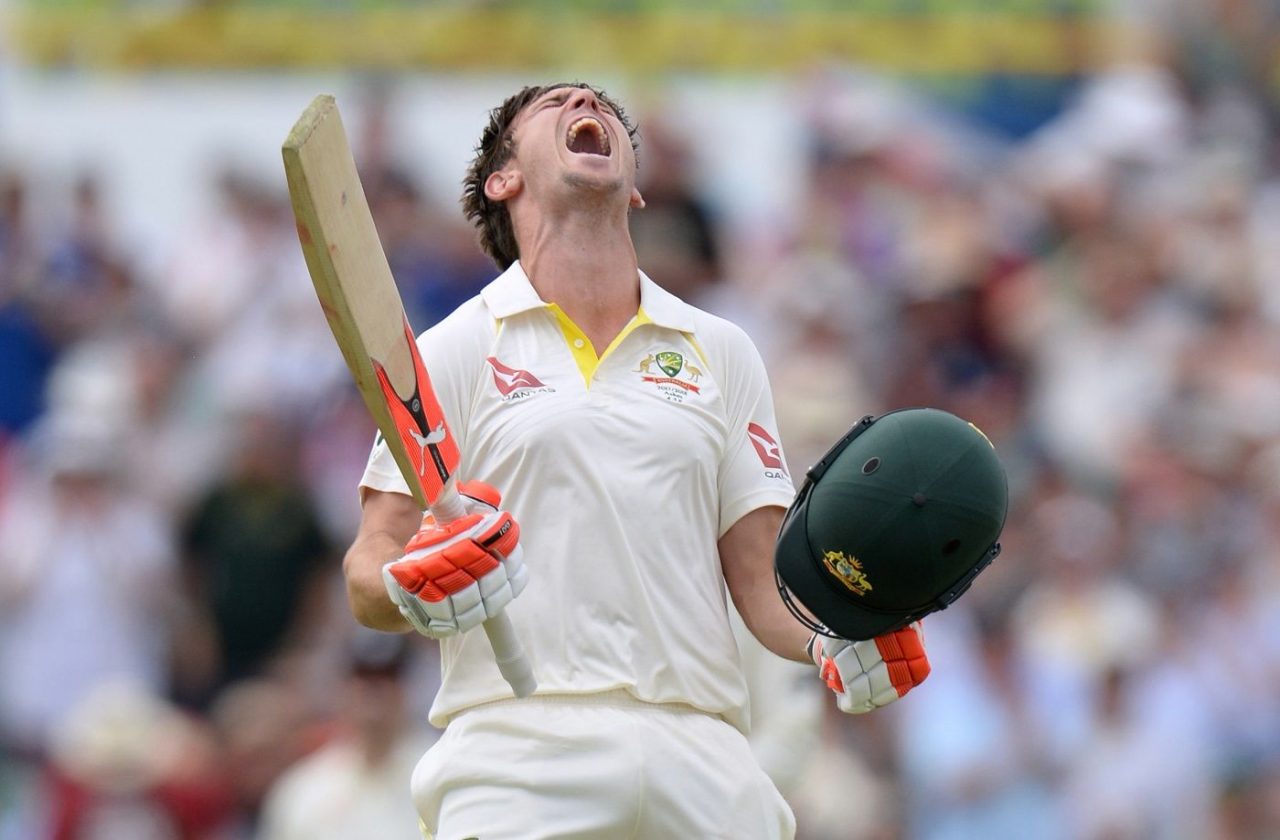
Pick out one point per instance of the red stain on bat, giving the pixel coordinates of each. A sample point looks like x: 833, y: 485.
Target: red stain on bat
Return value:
x: 304, y: 235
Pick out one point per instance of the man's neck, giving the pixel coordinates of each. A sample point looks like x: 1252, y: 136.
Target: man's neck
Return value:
x: 588, y: 269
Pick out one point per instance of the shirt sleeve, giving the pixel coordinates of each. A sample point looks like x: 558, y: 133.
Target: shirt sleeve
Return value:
x: 381, y: 471
x: 753, y: 472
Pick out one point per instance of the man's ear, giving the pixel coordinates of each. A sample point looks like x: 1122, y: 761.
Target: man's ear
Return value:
x: 637, y: 200
x: 503, y: 184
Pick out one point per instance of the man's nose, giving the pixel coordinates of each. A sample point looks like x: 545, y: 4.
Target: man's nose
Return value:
x: 585, y: 97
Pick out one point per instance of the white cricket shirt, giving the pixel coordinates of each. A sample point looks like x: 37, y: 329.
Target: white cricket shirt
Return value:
x: 623, y: 472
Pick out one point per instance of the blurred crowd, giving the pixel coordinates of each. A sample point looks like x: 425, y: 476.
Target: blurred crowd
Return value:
x: 1099, y: 292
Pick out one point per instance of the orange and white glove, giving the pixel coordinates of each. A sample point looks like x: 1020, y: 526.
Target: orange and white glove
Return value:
x: 869, y: 674
x: 454, y: 577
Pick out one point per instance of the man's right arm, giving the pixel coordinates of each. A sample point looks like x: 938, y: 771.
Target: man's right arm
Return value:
x: 387, y: 522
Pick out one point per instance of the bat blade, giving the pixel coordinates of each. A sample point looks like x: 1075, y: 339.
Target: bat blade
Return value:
x: 361, y: 302
x: 358, y: 294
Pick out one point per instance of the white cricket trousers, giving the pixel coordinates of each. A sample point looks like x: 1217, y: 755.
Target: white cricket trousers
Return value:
x: 595, y: 767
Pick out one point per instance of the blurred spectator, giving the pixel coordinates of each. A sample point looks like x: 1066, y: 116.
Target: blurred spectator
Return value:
x: 258, y: 565
x: 1184, y: 527
x: 26, y: 346
x: 820, y: 389
x: 1225, y: 45
x: 237, y: 294
x: 85, y: 287
x: 332, y: 456
x: 87, y: 582
x: 432, y: 254
x: 429, y: 246
x: 1229, y: 384
x: 1103, y: 355
x: 125, y: 764
x: 1141, y: 771
x: 849, y: 789
x: 989, y: 777
x: 262, y: 726
x: 675, y: 234
x: 177, y: 443
x: 18, y: 242
x: 357, y: 784
x: 1079, y: 617
x: 220, y: 267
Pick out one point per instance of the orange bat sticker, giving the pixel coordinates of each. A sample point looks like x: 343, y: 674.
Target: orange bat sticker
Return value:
x: 421, y: 424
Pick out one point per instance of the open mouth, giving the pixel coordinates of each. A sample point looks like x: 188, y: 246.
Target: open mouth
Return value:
x: 587, y: 137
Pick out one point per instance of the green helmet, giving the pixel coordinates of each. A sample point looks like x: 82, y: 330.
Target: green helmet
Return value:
x: 892, y: 524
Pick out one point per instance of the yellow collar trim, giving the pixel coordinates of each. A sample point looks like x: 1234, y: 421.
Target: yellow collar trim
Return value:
x: 584, y: 353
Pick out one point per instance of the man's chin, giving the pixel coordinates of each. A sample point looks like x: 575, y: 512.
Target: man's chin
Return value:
x: 598, y: 186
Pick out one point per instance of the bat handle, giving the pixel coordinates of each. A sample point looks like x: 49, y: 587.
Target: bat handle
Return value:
x: 507, y: 648
x: 448, y: 505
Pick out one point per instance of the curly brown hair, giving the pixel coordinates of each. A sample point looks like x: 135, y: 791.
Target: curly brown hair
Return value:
x: 496, y: 146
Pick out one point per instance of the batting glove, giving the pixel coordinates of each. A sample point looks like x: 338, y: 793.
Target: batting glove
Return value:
x: 454, y: 577
x: 873, y: 673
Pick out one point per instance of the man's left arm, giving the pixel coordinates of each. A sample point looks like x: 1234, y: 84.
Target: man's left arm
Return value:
x: 864, y: 675
x: 746, y: 557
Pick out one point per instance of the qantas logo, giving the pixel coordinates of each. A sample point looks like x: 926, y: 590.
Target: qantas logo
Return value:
x: 515, y: 384
x: 767, y: 448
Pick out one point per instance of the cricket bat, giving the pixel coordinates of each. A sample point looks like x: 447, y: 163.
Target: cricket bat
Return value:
x: 362, y: 304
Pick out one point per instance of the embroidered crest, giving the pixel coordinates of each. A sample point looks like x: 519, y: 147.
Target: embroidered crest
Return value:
x: 848, y: 570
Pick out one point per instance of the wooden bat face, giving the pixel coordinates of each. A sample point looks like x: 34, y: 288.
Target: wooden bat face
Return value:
x: 361, y: 302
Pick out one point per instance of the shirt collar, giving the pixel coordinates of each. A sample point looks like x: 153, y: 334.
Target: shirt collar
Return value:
x: 511, y: 293
x: 664, y: 308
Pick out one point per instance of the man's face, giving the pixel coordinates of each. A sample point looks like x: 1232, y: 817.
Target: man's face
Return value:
x: 569, y: 137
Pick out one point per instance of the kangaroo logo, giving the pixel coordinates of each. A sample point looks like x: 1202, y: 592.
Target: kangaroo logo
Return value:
x: 670, y: 365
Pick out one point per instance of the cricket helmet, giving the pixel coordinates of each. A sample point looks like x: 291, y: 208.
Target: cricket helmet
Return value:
x: 893, y: 523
